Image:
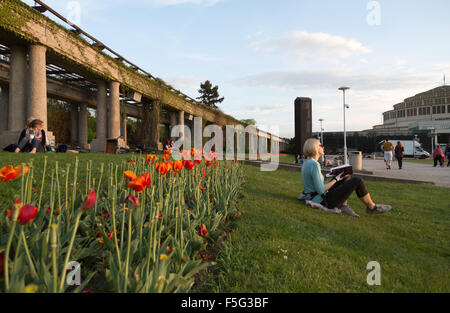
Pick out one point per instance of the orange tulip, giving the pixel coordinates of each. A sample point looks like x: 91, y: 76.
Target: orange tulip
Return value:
x: 166, y: 157
x: 150, y: 158
x: 9, y: 172
x: 177, y: 166
x: 164, y: 168
x: 204, y: 231
x: 130, y: 175
x: 140, y: 183
x: 90, y: 200
x: 168, y: 151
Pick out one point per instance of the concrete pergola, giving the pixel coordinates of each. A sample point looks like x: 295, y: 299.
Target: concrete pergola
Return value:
x: 41, y: 58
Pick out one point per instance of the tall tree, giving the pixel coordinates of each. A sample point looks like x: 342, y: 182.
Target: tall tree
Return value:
x: 209, y: 95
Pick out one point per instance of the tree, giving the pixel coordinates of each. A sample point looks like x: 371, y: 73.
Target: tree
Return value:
x: 209, y: 95
x: 248, y: 121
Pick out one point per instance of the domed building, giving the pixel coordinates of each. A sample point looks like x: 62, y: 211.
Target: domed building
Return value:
x: 427, y: 112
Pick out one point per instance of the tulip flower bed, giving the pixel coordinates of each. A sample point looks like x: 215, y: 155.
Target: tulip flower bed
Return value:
x: 134, y: 225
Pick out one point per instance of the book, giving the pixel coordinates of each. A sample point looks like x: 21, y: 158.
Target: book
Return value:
x: 345, y: 169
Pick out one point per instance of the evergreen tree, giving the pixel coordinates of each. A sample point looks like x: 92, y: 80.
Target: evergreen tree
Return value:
x: 209, y: 95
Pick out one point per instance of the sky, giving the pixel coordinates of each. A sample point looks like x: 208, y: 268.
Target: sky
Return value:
x: 263, y: 54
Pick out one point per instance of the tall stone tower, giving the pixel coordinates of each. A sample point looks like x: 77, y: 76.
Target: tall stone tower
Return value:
x: 303, y: 122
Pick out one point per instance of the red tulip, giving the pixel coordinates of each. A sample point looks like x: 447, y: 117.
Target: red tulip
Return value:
x: 188, y: 164
x: 208, y: 163
x: 204, y: 173
x: 90, y: 200
x: 133, y: 199
x: 27, y: 214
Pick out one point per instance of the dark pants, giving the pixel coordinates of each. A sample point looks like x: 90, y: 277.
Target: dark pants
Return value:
x: 448, y: 158
x: 341, y: 191
x: 438, y: 157
x: 25, y: 145
x: 34, y: 143
x: 400, y: 162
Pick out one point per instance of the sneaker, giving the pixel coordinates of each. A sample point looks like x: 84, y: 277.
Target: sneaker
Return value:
x: 379, y: 209
x: 347, y: 210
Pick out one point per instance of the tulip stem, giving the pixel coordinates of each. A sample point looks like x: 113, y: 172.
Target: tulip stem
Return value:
x: 115, y: 232
x: 8, y: 247
x: 63, y: 275
x: 128, y: 251
x: 33, y: 270
x: 54, y: 247
x: 43, y: 180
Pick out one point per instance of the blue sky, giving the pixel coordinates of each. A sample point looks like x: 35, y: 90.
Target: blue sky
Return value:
x: 263, y: 54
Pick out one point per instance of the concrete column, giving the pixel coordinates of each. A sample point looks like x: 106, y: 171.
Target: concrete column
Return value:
x: 114, y: 110
x: 181, y: 121
x: 17, y: 114
x: 74, y: 123
x: 198, y: 133
x: 4, y: 108
x: 123, y: 127
x: 155, y: 118
x: 173, y: 122
x: 83, y: 126
x: 37, y: 88
x: 101, y: 116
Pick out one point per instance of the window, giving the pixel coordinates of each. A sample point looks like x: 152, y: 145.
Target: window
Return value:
x: 448, y: 108
x: 442, y: 109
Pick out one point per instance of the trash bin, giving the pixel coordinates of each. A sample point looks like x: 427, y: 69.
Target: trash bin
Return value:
x: 356, y: 160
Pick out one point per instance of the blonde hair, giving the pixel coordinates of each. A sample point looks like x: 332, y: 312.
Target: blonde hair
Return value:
x: 311, y: 147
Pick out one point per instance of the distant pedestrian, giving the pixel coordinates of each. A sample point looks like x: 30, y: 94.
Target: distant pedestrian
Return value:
x: 388, y: 147
x: 447, y: 153
x: 399, y: 150
x: 438, y: 155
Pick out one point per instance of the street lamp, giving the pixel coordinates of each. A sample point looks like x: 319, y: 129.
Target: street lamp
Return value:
x: 345, y: 133
x: 321, y: 130
x: 321, y: 137
x: 414, y: 146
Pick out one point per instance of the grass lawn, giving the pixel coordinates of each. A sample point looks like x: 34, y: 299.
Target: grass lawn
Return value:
x: 423, y: 161
x: 280, y: 245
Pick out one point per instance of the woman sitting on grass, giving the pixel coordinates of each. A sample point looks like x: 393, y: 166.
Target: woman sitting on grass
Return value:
x: 33, y: 136
x: 333, y: 196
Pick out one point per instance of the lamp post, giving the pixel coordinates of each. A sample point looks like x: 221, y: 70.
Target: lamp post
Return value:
x: 321, y: 138
x: 345, y: 133
x: 414, y: 146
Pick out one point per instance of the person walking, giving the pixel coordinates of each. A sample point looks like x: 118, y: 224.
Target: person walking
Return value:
x: 399, y: 150
x: 447, y: 154
x: 438, y: 155
x: 388, y: 147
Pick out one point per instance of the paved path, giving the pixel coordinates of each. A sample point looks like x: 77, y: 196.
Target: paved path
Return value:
x: 411, y: 170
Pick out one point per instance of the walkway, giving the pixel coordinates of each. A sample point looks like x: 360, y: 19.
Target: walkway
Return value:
x: 411, y: 170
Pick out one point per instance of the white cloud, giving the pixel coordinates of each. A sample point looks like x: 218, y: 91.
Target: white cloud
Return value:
x: 312, y: 46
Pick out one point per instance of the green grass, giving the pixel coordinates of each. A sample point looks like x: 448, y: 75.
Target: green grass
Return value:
x: 328, y: 252
x: 325, y: 252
